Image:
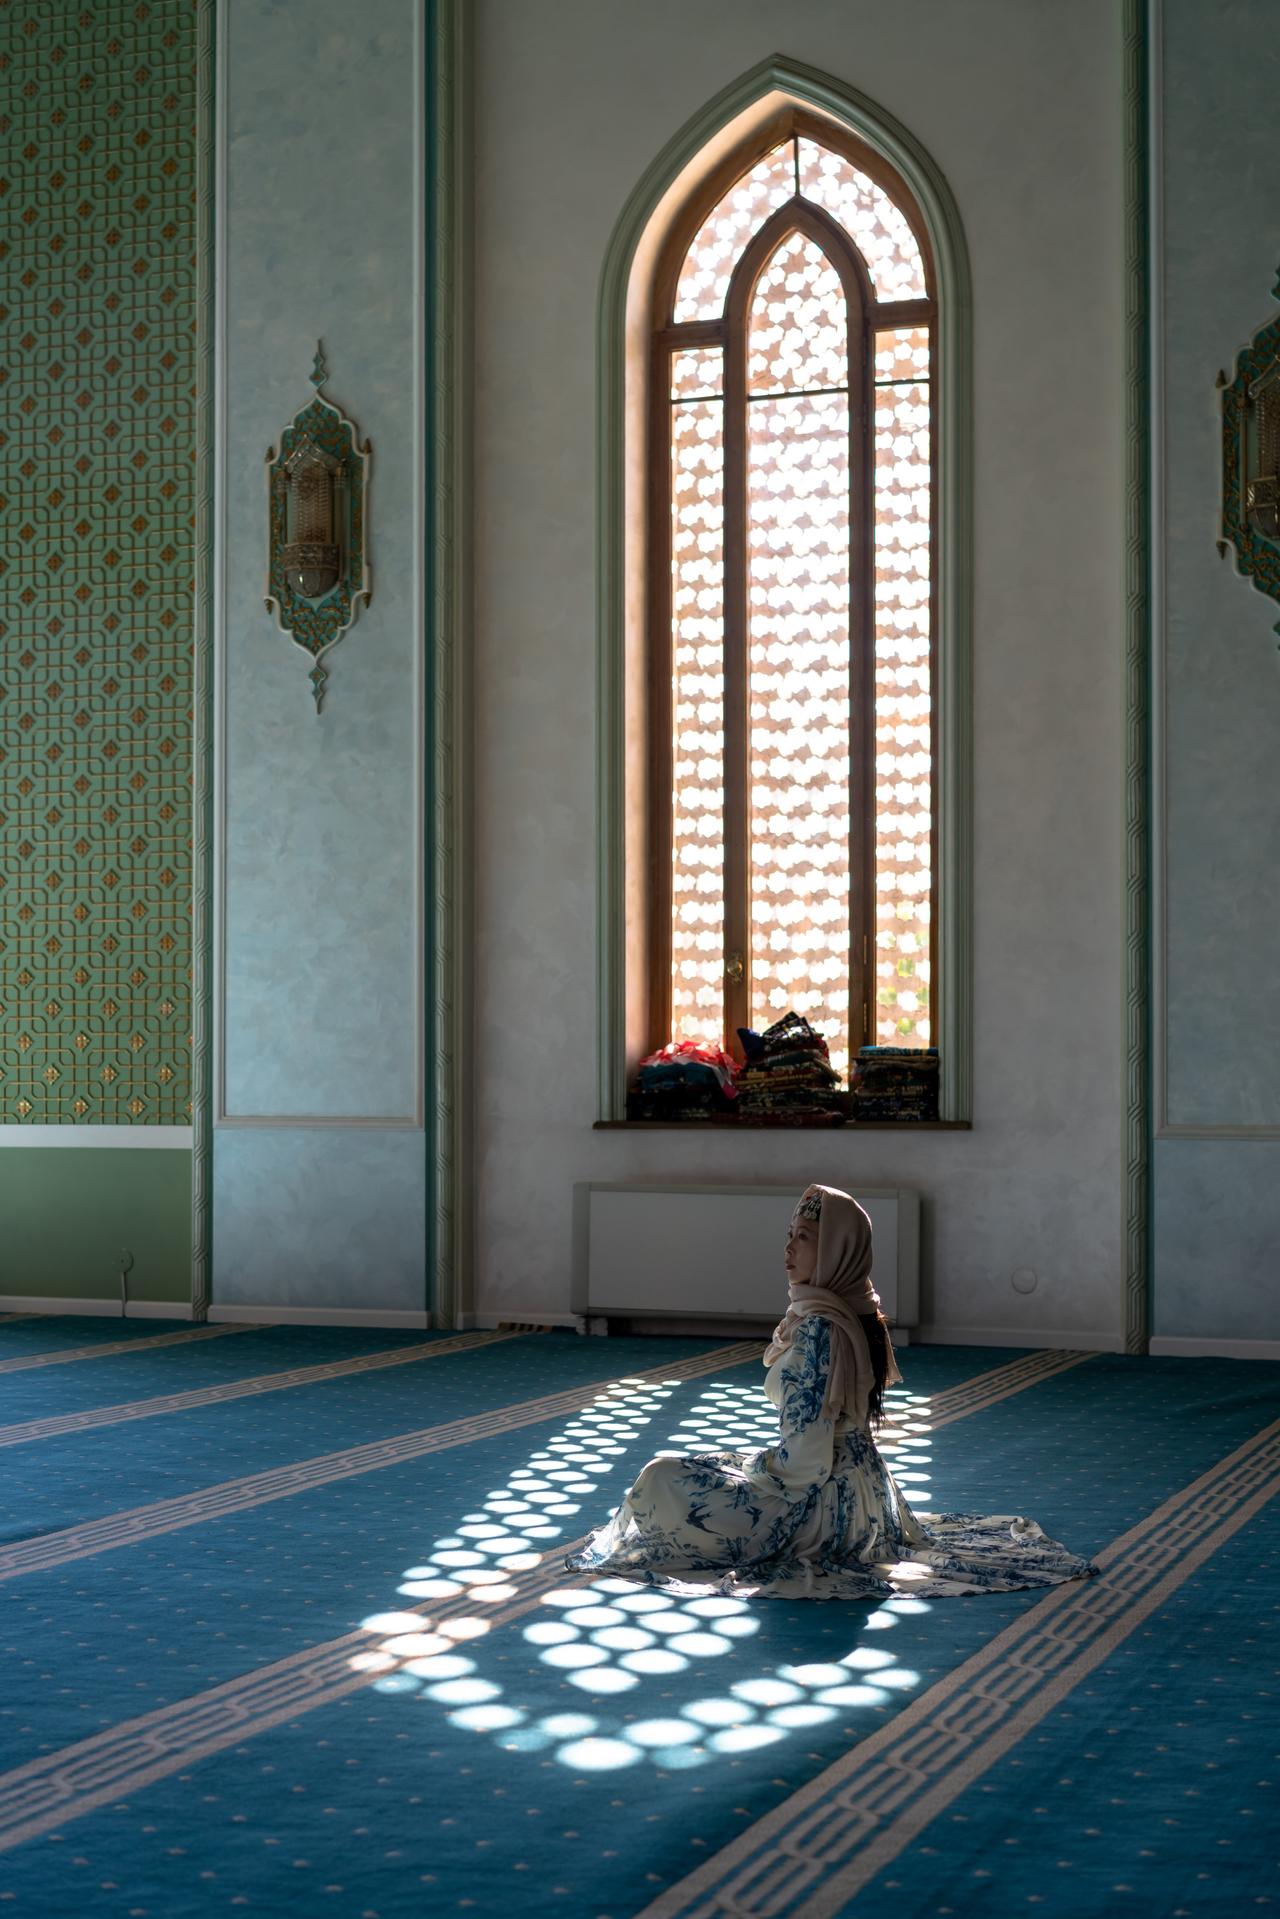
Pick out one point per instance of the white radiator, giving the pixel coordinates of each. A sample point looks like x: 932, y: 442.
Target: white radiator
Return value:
x: 715, y: 1252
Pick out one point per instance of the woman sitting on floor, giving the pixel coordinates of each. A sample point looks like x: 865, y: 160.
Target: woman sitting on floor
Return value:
x: 817, y: 1515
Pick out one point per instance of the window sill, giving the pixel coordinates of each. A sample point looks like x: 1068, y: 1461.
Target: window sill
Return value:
x: 764, y: 1126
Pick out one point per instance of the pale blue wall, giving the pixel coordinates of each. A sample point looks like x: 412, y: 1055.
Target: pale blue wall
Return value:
x: 328, y: 1217
x: 322, y: 236
x: 1217, y: 1193
x: 1217, y: 1239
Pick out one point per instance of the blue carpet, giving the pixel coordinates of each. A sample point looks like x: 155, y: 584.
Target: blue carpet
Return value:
x: 503, y: 1779
x: 59, y: 1332
x: 105, y: 1380
x: 104, y: 1470
x: 1154, y: 1788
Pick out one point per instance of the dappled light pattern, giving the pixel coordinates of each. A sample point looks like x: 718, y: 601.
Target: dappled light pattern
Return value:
x: 697, y: 374
x: 878, y: 228
x: 904, y: 756
x: 798, y: 333
x: 697, y: 687
x: 901, y: 353
x: 798, y: 651
x: 709, y: 263
x: 616, y: 1639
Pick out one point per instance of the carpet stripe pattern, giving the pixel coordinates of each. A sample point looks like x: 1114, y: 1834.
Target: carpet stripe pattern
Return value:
x: 821, y: 1846
x: 47, y: 1792
x: 1002, y: 1382
x: 26, y: 1362
x: 284, y: 1482
x: 25, y: 1431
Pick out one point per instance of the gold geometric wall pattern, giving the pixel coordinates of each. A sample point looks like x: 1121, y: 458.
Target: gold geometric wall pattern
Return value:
x: 97, y: 445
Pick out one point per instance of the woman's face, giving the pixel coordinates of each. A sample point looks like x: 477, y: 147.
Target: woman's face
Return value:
x: 801, y: 1256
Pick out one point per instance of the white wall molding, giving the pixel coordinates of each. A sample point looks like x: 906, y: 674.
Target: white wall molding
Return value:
x: 1135, y: 1278
x: 1032, y: 1337
x: 290, y: 1122
x: 449, y: 162
x: 216, y: 638
x: 41, y: 1303
x: 1181, y: 1348
x: 208, y: 189
x: 515, y: 1316
x: 1158, y: 535
x: 313, y: 1316
x: 166, y: 1138
x: 1209, y: 1131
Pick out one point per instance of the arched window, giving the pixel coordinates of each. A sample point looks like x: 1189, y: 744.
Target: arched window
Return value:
x: 790, y: 599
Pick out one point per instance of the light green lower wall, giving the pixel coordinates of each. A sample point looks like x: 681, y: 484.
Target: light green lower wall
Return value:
x: 67, y: 1212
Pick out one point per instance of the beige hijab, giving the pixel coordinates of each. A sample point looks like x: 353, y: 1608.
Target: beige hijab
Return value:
x: 842, y: 1292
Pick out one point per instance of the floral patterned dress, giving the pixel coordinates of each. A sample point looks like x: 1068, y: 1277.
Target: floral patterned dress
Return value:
x: 816, y: 1516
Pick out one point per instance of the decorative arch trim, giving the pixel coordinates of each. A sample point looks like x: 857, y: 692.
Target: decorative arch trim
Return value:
x: 722, y: 121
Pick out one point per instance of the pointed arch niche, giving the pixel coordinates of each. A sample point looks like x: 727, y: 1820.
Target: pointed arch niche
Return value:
x: 789, y: 271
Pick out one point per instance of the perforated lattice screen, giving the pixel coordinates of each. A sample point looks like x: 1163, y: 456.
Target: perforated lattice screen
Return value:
x: 697, y: 586
x: 820, y: 588
x: 798, y: 643
x: 904, y: 760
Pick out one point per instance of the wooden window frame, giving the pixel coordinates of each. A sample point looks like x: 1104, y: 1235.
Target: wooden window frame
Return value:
x: 867, y: 316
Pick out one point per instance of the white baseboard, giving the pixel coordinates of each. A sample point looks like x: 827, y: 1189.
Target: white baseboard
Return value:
x: 1094, y: 1342
x: 314, y: 1316
x: 688, y: 1327
x: 41, y: 1138
x: 1169, y: 1347
x: 514, y: 1316
x: 96, y: 1308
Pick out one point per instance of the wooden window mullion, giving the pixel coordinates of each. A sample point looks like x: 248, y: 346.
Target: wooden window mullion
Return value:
x: 737, y: 834
x: 935, y: 504
x: 901, y: 313
x: 661, y: 851
x: 862, y: 681
x: 691, y: 333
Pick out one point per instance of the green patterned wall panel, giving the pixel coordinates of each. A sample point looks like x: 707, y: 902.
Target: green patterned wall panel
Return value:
x: 97, y: 443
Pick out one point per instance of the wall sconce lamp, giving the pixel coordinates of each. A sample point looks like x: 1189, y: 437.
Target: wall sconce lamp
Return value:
x: 317, y: 567
x: 1251, y: 459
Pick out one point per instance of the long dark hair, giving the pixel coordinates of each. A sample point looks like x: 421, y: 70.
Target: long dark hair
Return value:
x: 876, y: 1328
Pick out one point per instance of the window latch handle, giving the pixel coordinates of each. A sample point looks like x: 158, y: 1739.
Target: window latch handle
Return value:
x: 735, y: 969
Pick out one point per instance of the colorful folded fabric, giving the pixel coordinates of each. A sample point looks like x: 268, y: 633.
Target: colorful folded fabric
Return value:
x: 685, y: 1079
x: 895, y: 1083
x: 788, y: 1079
